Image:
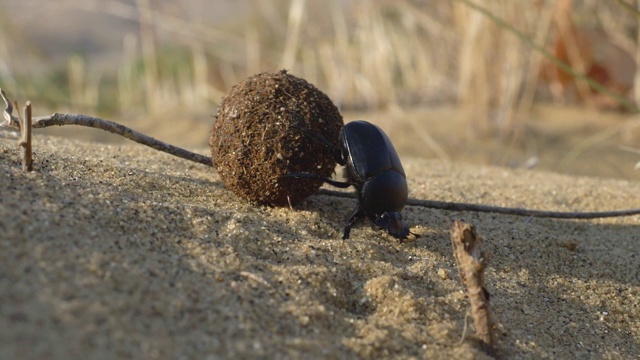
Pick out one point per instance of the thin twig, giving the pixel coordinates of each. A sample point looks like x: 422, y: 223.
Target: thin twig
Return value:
x: 25, y: 140
x: 471, y: 264
x: 454, y: 206
x: 106, y: 125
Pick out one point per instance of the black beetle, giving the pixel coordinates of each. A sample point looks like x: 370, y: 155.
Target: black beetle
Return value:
x: 374, y: 169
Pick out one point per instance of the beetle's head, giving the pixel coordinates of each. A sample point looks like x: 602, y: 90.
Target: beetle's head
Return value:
x: 391, y: 221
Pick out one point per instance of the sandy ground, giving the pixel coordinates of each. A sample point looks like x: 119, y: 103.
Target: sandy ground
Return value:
x: 118, y: 251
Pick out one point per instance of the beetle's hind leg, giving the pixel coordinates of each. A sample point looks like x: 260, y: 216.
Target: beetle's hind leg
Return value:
x: 339, y: 184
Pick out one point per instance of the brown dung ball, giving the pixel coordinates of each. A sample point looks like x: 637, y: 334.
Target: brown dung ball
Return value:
x: 254, y: 144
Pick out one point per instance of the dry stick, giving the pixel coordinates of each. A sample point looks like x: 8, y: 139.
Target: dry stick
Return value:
x: 471, y: 264
x: 453, y: 206
x: 22, y: 142
x: 110, y: 126
x: 25, y: 141
x: 83, y: 120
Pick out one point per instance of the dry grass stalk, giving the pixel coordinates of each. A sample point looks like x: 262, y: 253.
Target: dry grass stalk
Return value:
x: 471, y: 264
x: 369, y: 54
x: 296, y: 15
x: 151, y: 73
x: 576, y: 47
x: 490, y: 61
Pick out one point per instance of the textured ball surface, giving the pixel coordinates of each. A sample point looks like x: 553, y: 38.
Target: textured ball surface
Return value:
x: 254, y: 144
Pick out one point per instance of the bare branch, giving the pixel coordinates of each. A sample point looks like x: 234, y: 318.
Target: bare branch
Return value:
x: 115, y: 128
x: 522, y: 212
x: 106, y: 125
x: 453, y: 206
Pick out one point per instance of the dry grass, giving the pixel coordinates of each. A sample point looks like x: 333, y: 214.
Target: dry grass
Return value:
x: 370, y: 54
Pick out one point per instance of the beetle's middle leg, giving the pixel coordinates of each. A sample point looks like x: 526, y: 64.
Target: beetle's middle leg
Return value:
x: 340, y: 184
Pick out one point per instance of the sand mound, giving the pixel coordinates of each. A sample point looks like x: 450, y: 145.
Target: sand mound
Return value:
x: 122, y: 252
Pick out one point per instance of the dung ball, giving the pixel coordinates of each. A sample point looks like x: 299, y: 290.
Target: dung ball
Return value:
x: 254, y: 144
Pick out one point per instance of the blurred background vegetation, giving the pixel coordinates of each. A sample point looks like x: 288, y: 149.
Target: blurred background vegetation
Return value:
x: 456, y: 71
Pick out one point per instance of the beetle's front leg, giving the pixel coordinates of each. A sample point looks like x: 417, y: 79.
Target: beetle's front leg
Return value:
x: 357, y: 214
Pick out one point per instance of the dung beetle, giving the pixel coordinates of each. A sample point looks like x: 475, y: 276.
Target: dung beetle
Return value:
x: 374, y: 169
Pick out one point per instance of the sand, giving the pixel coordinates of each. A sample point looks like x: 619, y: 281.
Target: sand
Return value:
x: 118, y: 251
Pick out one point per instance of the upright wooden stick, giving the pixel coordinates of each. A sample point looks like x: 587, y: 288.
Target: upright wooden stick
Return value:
x: 25, y: 140
x: 471, y: 264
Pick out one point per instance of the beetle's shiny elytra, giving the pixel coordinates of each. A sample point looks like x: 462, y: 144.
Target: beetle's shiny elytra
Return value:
x: 374, y: 169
